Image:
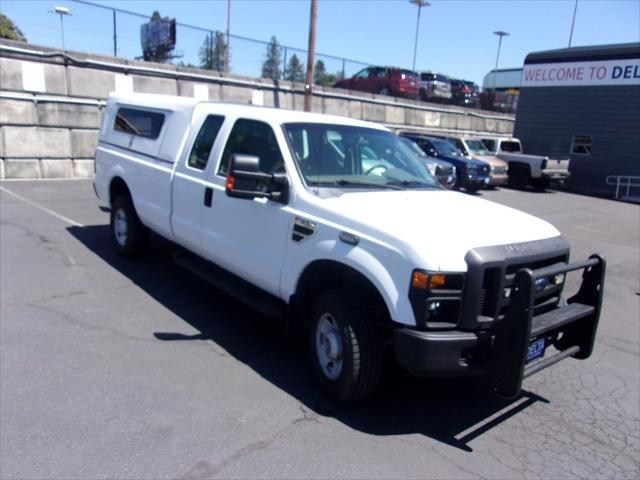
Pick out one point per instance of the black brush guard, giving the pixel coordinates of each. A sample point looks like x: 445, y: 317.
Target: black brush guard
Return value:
x: 578, y: 322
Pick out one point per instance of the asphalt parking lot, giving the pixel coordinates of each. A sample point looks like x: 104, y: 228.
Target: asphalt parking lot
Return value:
x: 119, y: 369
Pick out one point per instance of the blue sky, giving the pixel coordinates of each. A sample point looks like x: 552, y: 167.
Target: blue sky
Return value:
x: 455, y: 35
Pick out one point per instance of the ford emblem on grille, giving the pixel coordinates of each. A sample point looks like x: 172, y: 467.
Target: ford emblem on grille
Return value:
x: 541, y: 284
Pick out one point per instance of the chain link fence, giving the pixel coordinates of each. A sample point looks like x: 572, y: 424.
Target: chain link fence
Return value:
x: 105, y: 30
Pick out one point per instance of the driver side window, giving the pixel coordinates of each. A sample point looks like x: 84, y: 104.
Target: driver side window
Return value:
x: 251, y: 137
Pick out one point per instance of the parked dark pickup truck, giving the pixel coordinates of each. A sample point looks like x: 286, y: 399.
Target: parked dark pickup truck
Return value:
x: 472, y: 174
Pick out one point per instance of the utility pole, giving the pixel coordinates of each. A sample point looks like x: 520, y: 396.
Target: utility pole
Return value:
x: 308, y: 87
x: 420, y: 4
x: 573, y: 22
x: 226, y: 47
x: 500, y: 34
x: 115, y: 34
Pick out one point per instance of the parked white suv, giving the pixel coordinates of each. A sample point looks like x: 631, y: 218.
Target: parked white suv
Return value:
x: 334, y: 224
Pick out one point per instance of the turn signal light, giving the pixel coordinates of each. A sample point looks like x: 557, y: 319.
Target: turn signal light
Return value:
x: 230, y: 181
x: 419, y: 280
x: 422, y: 280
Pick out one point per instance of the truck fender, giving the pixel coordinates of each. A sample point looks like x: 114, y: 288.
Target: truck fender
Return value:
x: 339, y: 259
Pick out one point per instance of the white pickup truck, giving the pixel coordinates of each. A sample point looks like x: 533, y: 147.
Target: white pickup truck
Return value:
x: 524, y: 169
x: 333, y: 224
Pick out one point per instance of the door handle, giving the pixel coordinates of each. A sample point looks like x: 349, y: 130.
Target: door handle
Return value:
x: 208, y: 196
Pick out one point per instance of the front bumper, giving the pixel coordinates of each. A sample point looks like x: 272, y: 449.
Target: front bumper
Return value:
x: 499, y: 355
x: 498, y: 179
x: 473, y: 179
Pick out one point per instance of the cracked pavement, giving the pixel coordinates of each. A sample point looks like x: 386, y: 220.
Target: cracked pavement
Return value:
x: 117, y: 369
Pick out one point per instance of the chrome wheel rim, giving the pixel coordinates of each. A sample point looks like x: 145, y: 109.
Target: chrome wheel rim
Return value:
x: 329, y: 348
x: 120, y: 227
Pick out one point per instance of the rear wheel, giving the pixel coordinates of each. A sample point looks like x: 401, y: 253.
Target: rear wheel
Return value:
x: 128, y: 234
x: 345, y: 348
x: 540, y: 183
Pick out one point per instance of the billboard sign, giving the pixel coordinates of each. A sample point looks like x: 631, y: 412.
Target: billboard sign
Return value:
x: 577, y: 74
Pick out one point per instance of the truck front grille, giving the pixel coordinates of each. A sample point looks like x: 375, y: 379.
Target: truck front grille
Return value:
x: 497, y: 282
x: 491, y: 272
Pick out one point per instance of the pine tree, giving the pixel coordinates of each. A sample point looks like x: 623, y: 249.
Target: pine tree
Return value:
x: 212, y: 52
x: 9, y: 30
x: 320, y: 73
x: 294, y: 71
x: 271, y: 65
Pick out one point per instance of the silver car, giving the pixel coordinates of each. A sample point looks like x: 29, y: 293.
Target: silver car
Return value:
x: 434, y: 87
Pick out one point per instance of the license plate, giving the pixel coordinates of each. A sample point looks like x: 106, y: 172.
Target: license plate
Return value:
x: 536, y: 349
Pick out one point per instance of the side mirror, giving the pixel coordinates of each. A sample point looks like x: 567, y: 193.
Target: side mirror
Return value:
x: 245, y: 180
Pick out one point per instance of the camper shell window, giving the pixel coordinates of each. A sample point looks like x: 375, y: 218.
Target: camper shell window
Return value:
x: 142, y: 123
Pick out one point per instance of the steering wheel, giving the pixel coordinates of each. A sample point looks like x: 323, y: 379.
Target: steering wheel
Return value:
x: 375, y: 167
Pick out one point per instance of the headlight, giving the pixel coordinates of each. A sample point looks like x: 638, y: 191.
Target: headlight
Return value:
x: 431, y: 169
x: 436, y: 298
x: 492, y: 168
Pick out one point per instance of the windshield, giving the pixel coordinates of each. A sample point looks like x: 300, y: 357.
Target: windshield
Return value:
x: 477, y: 147
x: 346, y: 157
x: 413, y: 146
x: 445, y: 148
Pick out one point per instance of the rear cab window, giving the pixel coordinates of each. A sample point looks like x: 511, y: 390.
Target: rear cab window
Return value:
x: 199, y: 155
x: 510, y: 146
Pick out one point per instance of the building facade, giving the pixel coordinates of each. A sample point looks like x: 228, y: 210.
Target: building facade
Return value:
x: 584, y: 103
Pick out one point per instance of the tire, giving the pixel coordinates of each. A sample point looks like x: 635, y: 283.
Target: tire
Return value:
x: 128, y: 234
x: 384, y: 91
x: 518, y: 178
x: 540, y: 183
x: 342, y: 334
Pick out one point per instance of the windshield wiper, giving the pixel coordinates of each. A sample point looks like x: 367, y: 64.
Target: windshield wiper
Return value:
x: 412, y: 184
x: 350, y: 183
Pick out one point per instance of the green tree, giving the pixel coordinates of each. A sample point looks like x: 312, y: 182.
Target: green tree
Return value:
x: 271, y: 65
x: 294, y: 71
x: 320, y: 73
x: 9, y: 30
x: 212, y: 52
x: 321, y: 77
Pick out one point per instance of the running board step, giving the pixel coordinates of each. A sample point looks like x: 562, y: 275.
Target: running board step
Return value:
x: 250, y: 295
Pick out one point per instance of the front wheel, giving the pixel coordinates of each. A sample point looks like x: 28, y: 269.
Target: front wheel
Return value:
x: 344, y: 347
x: 518, y: 178
x: 128, y: 234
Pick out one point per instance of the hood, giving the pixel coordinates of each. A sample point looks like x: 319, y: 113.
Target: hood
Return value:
x: 491, y: 160
x: 434, y: 229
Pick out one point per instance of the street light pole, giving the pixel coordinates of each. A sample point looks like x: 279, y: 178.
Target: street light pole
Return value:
x: 420, y: 4
x: 500, y: 34
x: 62, y: 11
x: 573, y: 22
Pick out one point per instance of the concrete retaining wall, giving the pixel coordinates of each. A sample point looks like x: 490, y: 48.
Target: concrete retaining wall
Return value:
x: 51, y: 105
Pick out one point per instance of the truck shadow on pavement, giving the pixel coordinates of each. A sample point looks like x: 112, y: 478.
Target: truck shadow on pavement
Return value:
x: 451, y: 411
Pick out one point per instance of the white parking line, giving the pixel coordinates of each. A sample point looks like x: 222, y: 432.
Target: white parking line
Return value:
x: 45, y: 209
